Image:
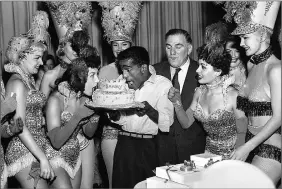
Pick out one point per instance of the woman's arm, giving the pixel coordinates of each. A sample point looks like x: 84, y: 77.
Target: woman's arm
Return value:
x: 185, y: 118
x: 47, y: 80
x: 91, y: 126
x: 59, y: 135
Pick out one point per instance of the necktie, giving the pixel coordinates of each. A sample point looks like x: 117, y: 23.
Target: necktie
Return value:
x: 175, y: 81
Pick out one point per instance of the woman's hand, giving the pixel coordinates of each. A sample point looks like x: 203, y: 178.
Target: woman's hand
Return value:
x: 241, y: 153
x: 46, y: 170
x: 174, y: 95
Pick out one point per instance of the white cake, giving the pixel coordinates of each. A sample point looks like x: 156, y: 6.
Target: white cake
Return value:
x: 113, y: 92
x: 204, y: 158
x: 182, y: 175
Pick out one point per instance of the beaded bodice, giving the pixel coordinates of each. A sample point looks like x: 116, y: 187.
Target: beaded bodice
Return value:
x: 221, y: 130
x: 34, y: 115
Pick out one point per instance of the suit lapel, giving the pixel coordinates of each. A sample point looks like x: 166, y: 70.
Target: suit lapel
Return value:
x: 166, y: 71
x: 189, y: 85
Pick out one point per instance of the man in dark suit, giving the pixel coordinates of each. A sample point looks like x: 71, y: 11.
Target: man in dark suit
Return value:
x: 180, y: 143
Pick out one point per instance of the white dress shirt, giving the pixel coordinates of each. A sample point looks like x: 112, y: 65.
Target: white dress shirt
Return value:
x: 155, y: 92
x: 181, y: 74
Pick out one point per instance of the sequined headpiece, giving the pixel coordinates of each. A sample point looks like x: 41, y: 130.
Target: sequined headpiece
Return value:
x: 251, y: 15
x: 18, y: 46
x: 39, y: 27
x: 70, y: 16
x: 119, y: 19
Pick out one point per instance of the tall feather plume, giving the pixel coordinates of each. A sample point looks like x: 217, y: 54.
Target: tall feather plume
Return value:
x: 215, y: 38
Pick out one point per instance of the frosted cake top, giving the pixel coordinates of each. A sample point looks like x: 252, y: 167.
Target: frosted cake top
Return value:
x: 118, y: 84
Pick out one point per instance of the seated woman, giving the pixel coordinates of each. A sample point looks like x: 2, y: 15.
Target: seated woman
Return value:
x: 25, y: 56
x: 238, y: 62
x: 214, y: 102
x: 66, y: 115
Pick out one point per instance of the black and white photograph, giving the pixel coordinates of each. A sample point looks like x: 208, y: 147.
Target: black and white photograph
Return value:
x: 140, y: 94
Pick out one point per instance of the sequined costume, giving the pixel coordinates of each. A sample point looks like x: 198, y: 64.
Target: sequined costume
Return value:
x: 17, y: 155
x: 254, y: 100
x: 221, y: 129
x: 3, y: 167
x: 68, y: 157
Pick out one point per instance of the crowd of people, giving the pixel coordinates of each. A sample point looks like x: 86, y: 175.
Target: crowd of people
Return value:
x: 226, y: 103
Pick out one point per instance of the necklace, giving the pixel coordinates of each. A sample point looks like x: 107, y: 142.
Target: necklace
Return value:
x: 13, y: 68
x: 216, y: 85
x: 256, y: 59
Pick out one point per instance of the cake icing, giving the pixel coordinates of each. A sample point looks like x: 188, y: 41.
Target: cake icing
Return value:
x: 113, y: 92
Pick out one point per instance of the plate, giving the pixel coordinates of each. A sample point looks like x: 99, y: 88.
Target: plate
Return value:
x: 115, y: 107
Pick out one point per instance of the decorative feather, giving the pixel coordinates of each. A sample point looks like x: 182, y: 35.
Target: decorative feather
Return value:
x: 215, y: 34
x: 239, y: 8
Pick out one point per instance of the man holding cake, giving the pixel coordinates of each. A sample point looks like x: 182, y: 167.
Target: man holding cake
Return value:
x: 135, y: 154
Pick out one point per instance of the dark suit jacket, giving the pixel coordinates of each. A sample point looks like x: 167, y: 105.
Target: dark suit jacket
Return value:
x: 177, y: 145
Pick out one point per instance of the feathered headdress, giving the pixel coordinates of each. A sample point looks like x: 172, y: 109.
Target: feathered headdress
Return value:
x: 70, y: 16
x: 251, y: 15
x: 119, y: 19
x: 39, y: 27
x: 215, y: 38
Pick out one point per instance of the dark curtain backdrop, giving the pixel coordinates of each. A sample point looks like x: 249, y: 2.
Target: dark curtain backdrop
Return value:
x: 155, y: 19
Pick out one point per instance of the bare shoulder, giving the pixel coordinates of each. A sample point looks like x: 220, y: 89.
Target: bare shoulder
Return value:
x: 198, y: 91
x: 274, y: 68
x: 232, y: 92
x: 15, y: 84
x: 50, y: 74
x: 55, y: 99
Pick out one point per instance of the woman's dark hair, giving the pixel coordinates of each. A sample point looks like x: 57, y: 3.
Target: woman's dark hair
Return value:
x: 77, y: 73
x: 235, y: 40
x: 79, y: 40
x: 216, y: 56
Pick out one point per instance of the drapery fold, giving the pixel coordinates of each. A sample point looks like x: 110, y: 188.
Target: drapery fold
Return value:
x: 155, y: 19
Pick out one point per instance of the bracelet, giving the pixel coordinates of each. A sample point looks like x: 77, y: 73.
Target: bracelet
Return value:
x: 177, y: 104
x: 94, y: 119
x: 8, y: 131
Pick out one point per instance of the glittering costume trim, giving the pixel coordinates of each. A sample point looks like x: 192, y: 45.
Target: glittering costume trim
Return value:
x: 256, y: 59
x: 20, y: 164
x: 110, y: 134
x: 254, y: 108
x: 265, y: 150
x: 59, y: 162
x: 13, y: 68
x: 4, y: 176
